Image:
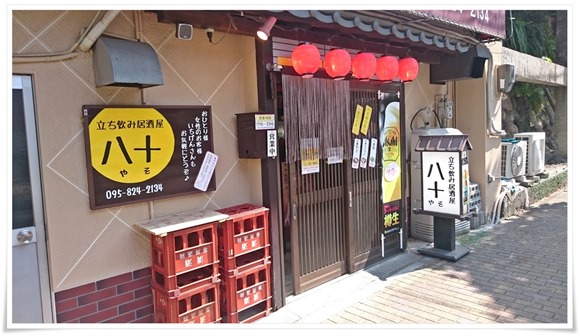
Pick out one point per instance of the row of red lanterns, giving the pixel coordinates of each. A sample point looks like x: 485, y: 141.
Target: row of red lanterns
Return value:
x: 337, y: 63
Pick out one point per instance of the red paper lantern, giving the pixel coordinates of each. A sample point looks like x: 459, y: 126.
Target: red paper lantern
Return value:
x: 364, y: 65
x: 337, y: 63
x: 306, y: 60
x: 408, y: 69
x: 387, y: 68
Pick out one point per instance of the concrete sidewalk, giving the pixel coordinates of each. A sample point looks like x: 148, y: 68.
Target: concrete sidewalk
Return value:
x: 516, y: 273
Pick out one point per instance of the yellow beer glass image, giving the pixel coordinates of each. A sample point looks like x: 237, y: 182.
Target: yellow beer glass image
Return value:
x: 390, y: 144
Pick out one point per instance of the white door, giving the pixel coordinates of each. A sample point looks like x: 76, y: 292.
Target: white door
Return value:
x: 31, y: 299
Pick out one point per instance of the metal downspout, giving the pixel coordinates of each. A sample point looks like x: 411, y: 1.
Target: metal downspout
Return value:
x: 491, y: 130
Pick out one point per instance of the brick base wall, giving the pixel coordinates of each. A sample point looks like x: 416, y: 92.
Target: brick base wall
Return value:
x: 126, y: 298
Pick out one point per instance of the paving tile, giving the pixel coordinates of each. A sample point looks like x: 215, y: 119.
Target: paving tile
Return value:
x: 510, y: 276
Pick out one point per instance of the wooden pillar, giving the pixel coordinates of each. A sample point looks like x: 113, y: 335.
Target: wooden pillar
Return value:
x: 271, y: 175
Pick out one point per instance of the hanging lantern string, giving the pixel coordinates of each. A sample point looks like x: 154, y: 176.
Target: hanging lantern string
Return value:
x: 330, y: 40
x: 387, y: 45
x: 297, y: 30
x: 363, y: 41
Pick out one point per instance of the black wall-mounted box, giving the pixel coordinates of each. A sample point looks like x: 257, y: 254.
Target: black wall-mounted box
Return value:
x: 253, y: 134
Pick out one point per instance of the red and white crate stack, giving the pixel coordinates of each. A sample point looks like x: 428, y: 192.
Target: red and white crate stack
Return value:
x: 244, y: 262
x: 185, y: 267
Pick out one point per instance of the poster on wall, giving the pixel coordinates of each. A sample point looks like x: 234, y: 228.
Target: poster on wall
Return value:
x: 364, y: 127
x: 356, y: 153
x: 373, y: 153
x: 143, y: 153
x: 309, y: 157
x: 272, y: 145
x: 358, y: 116
x: 364, y: 157
x: 390, y: 142
x: 334, y: 155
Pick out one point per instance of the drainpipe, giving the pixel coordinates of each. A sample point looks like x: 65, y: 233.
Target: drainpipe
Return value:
x: 97, y: 30
x: 45, y: 59
x: 83, y: 46
x: 491, y: 130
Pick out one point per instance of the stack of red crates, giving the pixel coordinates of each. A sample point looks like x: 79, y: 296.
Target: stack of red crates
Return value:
x: 244, y: 261
x: 185, y: 275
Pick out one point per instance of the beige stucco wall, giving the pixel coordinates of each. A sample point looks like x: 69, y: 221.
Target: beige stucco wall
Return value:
x: 419, y: 94
x: 470, y: 117
x: 86, y: 245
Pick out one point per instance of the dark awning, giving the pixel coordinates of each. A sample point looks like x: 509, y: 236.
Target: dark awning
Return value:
x: 395, y: 33
x: 382, y: 24
x: 489, y: 22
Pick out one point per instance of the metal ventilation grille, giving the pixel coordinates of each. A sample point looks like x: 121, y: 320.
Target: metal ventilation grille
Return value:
x: 517, y: 161
x: 504, y: 149
x: 513, y: 159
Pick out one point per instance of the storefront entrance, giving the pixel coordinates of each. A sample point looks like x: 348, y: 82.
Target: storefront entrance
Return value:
x: 332, y: 188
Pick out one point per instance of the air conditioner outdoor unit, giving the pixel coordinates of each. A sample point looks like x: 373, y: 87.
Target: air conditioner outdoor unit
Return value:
x: 513, y: 158
x: 535, y: 163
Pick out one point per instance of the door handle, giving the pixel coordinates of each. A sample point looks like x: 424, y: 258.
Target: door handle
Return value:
x: 350, y: 199
x: 24, y: 237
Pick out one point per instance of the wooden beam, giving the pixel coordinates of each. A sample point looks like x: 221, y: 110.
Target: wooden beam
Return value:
x: 221, y: 21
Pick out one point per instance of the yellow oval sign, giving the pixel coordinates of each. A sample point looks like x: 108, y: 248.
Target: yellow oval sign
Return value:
x: 130, y: 145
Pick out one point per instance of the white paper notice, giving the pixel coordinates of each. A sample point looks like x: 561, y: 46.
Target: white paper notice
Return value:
x: 206, y: 171
x: 356, y: 153
x: 334, y: 155
x: 373, y: 153
x: 265, y: 122
x: 364, y: 153
x: 271, y: 146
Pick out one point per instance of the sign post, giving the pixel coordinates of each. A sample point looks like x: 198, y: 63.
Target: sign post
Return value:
x: 445, y: 190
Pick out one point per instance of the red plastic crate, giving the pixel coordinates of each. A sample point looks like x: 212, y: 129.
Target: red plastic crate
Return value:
x: 241, y: 210
x: 248, y: 315
x: 200, y: 305
x: 245, y: 231
x: 174, y: 285
x: 238, y: 264
x: 245, y: 289
x: 185, y: 250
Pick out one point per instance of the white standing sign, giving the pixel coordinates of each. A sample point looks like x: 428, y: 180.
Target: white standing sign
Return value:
x: 441, y: 182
